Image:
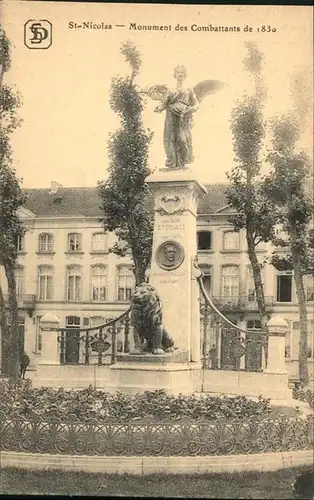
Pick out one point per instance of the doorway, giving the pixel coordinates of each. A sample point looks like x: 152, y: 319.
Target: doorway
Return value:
x: 72, y: 340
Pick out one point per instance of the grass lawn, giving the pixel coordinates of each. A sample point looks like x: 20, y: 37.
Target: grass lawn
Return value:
x: 264, y: 485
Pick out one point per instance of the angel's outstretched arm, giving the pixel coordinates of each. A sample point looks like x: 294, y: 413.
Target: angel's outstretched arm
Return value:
x: 158, y: 93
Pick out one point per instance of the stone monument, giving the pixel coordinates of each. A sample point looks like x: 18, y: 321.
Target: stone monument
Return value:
x: 177, y: 192
x: 173, y: 342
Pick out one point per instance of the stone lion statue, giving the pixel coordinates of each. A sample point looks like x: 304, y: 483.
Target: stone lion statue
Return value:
x: 146, y: 318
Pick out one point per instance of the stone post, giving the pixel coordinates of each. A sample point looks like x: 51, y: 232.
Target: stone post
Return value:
x: 277, y: 328
x: 50, y: 354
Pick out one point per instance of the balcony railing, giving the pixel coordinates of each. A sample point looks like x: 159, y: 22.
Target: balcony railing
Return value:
x: 240, y: 303
x: 250, y: 303
x: 25, y: 301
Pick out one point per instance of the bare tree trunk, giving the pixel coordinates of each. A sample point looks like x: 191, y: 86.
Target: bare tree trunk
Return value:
x: 4, y: 335
x: 258, y: 284
x: 303, y: 366
x: 139, y: 269
x: 298, y: 279
x: 13, y: 337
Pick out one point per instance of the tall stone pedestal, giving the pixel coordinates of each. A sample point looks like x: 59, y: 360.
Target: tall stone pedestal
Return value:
x: 177, y: 194
x: 172, y: 273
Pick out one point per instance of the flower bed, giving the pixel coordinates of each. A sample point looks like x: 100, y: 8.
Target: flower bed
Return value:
x: 21, y: 400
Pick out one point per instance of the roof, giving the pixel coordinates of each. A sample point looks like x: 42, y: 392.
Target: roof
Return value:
x: 84, y: 201
x: 67, y: 202
x: 215, y: 199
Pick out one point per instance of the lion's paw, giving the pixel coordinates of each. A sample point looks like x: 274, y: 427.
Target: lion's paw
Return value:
x: 170, y: 349
x: 158, y: 350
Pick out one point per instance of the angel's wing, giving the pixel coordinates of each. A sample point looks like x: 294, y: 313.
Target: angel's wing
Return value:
x: 157, y: 92
x: 206, y: 87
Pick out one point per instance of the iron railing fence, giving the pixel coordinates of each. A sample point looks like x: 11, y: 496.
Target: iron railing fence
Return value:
x: 240, y: 302
x: 95, y: 345
x: 149, y: 437
x: 226, y: 346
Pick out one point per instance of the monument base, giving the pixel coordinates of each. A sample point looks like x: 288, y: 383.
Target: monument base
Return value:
x: 142, y: 374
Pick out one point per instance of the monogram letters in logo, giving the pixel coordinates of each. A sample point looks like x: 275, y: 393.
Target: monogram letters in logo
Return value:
x: 38, y: 34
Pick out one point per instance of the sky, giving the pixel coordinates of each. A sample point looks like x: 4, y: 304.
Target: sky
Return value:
x: 66, y: 114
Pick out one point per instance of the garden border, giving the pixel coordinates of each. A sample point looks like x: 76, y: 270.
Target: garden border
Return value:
x: 151, y: 437
x: 149, y: 465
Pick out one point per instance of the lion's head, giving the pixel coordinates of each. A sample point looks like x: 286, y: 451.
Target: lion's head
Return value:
x: 146, y: 305
x: 146, y: 316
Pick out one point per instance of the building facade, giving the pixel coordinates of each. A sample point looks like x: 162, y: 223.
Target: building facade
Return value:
x: 65, y: 267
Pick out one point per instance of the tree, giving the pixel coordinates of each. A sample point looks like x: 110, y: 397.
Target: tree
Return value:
x: 125, y: 196
x: 11, y: 199
x: 253, y: 212
x: 286, y: 186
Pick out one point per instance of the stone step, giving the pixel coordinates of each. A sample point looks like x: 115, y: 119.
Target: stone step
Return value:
x: 163, y: 359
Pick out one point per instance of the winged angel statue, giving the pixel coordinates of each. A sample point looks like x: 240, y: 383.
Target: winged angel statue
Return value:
x: 180, y: 104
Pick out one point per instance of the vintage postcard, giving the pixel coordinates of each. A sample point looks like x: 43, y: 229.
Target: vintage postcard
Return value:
x: 156, y: 250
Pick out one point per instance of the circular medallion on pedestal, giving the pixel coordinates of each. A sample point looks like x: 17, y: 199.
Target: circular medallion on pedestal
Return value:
x: 169, y: 255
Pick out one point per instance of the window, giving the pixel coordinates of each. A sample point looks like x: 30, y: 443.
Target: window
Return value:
x: 126, y: 283
x: 39, y: 336
x: 45, y: 242
x: 72, y: 322
x: 204, y: 240
x: 251, y: 294
x: 230, y: 281
x: 253, y: 324
x: 20, y: 243
x: 45, y: 283
x: 74, y: 242
x: 99, y: 283
x: 284, y: 286
x: 309, y: 287
x: 74, y: 283
x: 231, y: 240
x: 85, y: 322
x: 99, y: 242
x: 19, y: 280
x: 207, y: 280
